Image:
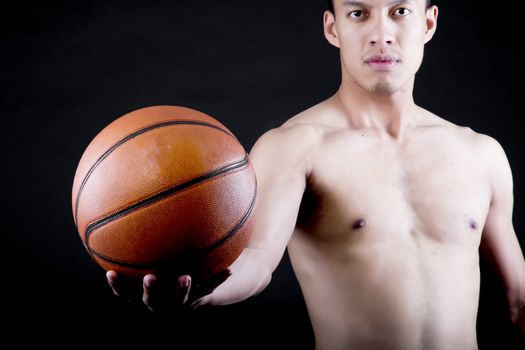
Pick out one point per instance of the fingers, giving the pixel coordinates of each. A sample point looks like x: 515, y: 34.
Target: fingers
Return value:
x: 200, y: 302
x: 123, y: 287
x: 111, y: 276
x: 183, y: 289
x: 150, y: 296
x: 213, y: 283
x: 163, y: 295
x: 206, y: 288
x: 203, y: 295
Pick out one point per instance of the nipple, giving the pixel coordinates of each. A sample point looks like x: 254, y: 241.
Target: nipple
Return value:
x: 359, y: 223
x: 473, y: 224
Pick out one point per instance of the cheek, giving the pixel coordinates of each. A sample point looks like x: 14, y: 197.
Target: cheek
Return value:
x: 351, y: 45
x: 413, y: 60
x: 351, y: 59
x: 413, y: 49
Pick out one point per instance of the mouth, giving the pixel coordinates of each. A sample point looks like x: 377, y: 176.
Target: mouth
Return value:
x: 382, y: 62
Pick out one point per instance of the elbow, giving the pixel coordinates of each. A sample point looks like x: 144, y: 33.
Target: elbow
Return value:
x: 516, y: 298
x: 517, y: 306
x: 518, y: 319
x: 515, y: 314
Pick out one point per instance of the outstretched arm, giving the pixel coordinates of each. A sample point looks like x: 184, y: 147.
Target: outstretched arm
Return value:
x: 499, y: 244
x: 280, y: 161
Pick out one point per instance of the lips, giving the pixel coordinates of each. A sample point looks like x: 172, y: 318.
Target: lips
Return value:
x: 382, y: 62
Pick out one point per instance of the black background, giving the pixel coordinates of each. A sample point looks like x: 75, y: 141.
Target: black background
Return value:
x: 68, y: 69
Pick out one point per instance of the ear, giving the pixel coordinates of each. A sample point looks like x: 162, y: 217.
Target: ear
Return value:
x: 330, y: 31
x: 431, y: 21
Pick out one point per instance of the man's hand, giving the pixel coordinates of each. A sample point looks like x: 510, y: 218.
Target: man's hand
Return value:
x: 162, y: 294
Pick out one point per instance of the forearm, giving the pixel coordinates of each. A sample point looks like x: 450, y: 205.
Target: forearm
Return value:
x: 516, y: 297
x: 518, y: 318
x: 521, y: 319
x: 250, y: 275
x: 514, y: 279
x: 517, y: 308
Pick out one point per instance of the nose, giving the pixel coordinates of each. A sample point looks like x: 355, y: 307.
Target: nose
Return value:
x: 386, y: 42
x: 382, y: 33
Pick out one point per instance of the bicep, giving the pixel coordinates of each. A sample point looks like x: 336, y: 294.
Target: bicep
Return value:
x: 281, y: 179
x: 499, y: 243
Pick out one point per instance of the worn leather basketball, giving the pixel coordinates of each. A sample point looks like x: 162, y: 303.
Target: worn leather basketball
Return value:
x: 164, y: 189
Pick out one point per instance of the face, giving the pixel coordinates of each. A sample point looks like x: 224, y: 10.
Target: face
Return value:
x: 381, y: 42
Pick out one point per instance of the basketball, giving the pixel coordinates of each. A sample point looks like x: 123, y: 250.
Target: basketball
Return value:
x: 164, y: 189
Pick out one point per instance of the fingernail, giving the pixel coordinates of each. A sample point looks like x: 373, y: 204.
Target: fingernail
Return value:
x: 185, y: 283
x: 111, y: 277
x: 149, y: 280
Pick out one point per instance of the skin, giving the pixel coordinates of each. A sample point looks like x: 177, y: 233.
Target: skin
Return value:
x: 384, y: 207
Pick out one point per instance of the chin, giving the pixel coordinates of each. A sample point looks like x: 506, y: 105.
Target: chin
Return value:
x: 384, y: 89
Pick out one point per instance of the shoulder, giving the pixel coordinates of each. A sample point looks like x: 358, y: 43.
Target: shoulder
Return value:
x: 493, y: 162
x: 308, y: 127
x: 294, y: 141
x: 486, y: 150
x: 483, y: 145
x: 298, y: 134
x: 483, y: 148
x: 493, y: 159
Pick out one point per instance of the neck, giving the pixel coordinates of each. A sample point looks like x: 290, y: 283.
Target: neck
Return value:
x: 388, y: 114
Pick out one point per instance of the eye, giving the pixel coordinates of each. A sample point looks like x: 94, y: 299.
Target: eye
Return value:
x: 401, y: 12
x: 357, y: 14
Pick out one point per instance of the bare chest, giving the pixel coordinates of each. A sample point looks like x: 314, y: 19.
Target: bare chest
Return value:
x: 366, y: 193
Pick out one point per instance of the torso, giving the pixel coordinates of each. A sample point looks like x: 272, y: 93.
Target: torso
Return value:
x: 386, y: 243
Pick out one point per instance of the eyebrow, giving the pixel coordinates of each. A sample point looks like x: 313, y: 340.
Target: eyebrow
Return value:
x: 362, y: 4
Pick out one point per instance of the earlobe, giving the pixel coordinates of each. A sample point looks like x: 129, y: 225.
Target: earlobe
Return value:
x: 330, y: 31
x: 431, y: 22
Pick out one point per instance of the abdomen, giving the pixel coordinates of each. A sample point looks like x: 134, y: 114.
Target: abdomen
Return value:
x: 397, y: 294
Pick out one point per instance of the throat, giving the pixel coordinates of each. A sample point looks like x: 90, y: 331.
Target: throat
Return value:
x: 389, y: 115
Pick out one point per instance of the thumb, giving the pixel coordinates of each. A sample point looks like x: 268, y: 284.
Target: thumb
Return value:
x: 201, y: 301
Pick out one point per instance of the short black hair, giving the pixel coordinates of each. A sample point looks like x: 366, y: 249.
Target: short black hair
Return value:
x: 330, y: 5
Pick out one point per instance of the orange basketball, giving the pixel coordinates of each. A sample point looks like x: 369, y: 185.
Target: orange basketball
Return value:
x: 164, y: 189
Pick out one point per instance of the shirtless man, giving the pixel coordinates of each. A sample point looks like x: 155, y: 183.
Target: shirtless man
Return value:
x: 384, y: 206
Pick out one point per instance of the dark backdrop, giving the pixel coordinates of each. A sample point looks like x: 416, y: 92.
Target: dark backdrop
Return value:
x: 70, y: 68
